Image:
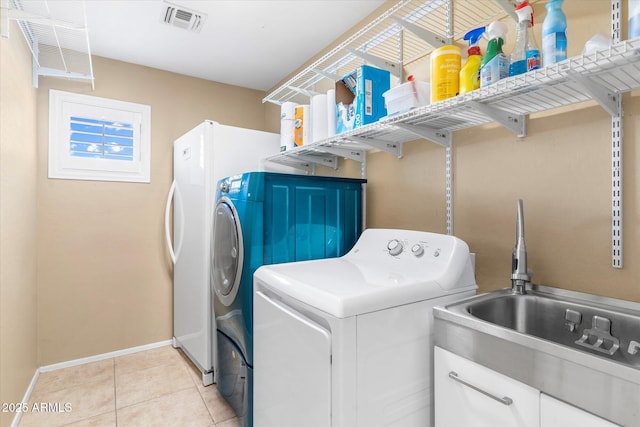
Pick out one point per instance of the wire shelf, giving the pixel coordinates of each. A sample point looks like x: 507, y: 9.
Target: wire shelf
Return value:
x: 58, y: 38
x: 615, y: 70
x: 386, y: 39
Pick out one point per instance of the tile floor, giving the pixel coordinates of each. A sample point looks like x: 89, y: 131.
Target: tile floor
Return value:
x: 157, y: 387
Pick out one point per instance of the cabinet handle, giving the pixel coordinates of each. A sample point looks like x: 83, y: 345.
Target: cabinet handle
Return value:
x: 504, y: 400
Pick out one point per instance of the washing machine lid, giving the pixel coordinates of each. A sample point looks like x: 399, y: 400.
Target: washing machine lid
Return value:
x: 374, y: 275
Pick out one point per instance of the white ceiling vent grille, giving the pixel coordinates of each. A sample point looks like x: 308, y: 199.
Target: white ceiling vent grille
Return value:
x: 182, y: 17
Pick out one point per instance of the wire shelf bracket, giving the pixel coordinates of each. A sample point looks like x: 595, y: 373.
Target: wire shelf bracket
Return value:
x: 295, y: 162
x: 389, y: 147
x: 437, y: 136
x: 514, y: 122
x: 351, y: 154
x: 393, y: 67
x: 606, y: 98
x: 427, y: 36
x: 319, y: 159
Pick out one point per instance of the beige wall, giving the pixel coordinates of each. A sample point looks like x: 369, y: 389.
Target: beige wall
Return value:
x: 562, y: 170
x: 105, y: 279
x: 103, y: 275
x: 18, y: 333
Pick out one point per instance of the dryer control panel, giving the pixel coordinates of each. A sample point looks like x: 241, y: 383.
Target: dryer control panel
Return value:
x: 416, y: 256
x: 376, y: 243
x: 397, y: 246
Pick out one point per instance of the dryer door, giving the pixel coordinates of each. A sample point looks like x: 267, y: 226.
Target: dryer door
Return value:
x: 226, y: 252
x: 292, y: 356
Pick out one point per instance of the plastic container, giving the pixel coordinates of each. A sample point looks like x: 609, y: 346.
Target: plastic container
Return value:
x: 525, y: 55
x: 446, y: 62
x: 495, y: 65
x: 301, y: 125
x: 634, y: 19
x: 554, y: 34
x: 470, y: 72
x: 406, y: 96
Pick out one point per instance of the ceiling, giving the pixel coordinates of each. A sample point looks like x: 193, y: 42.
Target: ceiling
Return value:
x: 253, y: 44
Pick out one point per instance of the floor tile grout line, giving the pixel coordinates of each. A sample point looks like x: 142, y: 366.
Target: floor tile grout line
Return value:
x: 209, y: 411
x: 152, y: 398
x: 163, y: 363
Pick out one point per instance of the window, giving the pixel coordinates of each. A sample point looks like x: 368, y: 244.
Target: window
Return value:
x: 98, y: 139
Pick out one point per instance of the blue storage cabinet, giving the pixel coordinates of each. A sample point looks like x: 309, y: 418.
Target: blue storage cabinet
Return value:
x: 310, y: 217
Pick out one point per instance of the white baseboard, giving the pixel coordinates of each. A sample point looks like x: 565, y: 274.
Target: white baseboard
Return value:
x: 103, y: 356
x: 82, y: 361
x: 25, y: 399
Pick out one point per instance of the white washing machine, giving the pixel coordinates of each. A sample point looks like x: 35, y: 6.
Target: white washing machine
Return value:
x: 347, y: 342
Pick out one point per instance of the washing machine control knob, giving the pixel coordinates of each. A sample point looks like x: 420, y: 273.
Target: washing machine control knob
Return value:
x: 224, y: 187
x: 395, y: 247
x: 417, y: 250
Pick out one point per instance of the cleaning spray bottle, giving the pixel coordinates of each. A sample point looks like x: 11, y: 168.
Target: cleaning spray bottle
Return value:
x: 470, y: 72
x: 554, y: 34
x: 525, y: 55
x: 495, y: 65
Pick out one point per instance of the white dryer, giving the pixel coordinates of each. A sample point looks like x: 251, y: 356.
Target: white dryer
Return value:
x: 347, y: 342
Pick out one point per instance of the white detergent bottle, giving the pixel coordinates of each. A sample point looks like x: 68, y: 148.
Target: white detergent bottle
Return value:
x: 554, y: 34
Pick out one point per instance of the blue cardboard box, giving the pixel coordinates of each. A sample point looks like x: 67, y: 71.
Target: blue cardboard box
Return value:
x: 359, y: 99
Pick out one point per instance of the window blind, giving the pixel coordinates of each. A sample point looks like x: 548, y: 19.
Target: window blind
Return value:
x: 102, y: 139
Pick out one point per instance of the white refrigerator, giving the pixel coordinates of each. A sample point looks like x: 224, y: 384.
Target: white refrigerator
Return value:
x: 201, y: 157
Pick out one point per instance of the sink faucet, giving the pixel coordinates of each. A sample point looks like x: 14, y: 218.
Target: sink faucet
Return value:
x: 520, y: 275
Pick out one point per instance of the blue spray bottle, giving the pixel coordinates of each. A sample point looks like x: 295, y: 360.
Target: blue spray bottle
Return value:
x: 525, y: 55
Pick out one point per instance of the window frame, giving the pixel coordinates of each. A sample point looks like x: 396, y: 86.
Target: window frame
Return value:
x: 63, y: 165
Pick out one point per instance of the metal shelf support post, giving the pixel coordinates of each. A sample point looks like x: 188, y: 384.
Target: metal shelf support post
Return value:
x: 616, y: 155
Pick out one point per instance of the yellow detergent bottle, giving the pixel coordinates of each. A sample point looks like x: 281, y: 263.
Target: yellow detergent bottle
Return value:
x: 445, y: 72
x: 470, y: 73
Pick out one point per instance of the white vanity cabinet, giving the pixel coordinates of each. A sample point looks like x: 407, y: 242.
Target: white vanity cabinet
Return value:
x: 468, y: 394
x: 555, y: 413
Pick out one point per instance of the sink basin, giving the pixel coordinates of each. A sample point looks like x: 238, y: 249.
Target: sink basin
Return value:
x: 579, y: 348
x: 605, y: 331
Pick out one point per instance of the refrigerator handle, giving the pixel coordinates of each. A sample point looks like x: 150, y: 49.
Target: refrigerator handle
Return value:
x: 167, y: 228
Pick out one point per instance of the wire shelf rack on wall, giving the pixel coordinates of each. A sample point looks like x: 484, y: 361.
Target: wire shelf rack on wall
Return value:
x: 402, y: 34
x: 57, y: 36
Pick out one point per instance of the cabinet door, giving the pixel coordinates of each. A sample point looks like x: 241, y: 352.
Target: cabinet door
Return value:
x: 468, y: 394
x: 555, y: 413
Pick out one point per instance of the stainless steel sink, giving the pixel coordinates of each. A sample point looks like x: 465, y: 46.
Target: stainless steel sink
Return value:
x: 579, y: 348
x: 601, y: 330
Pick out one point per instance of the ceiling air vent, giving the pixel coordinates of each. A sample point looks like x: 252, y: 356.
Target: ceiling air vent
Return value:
x: 182, y: 17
